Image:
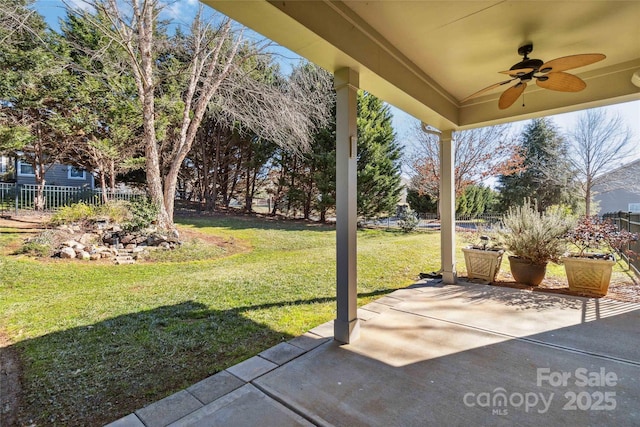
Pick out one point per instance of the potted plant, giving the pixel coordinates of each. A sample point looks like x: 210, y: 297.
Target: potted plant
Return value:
x: 589, y: 269
x: 483, y: 259
x: 533, y: 238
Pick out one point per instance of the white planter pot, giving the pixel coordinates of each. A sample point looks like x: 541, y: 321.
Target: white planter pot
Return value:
x: 588, y: 274
x: 482, y: 264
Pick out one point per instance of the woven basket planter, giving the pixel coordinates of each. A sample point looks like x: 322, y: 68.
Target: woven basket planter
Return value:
x: 588, y: 274
x: 482, y: 264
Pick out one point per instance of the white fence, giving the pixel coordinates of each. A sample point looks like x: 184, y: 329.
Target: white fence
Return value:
x: 15, y: 198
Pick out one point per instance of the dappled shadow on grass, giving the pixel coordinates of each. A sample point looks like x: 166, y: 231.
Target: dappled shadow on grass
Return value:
x: 94, y: 374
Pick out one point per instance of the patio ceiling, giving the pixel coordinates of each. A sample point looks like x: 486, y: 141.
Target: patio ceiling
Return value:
x: 424, y: 57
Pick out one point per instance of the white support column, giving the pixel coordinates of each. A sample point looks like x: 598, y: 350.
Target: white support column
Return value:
x: 346, y: 325
x: 447, y: 208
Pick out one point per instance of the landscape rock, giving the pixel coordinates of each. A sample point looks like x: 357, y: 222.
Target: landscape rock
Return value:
x: 88, y: 238
x: 67, y: 252
x: 70, y: 243
x: 104, y: 241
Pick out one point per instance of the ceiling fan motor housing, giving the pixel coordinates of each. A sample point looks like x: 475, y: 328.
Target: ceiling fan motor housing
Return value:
x: 548, y: 75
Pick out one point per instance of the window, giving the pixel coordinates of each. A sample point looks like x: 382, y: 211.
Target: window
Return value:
x: 74, y: 173
x: 3, y: 164
x: 25, y: 169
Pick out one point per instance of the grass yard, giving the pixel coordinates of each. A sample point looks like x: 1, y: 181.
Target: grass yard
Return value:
x: 96, y: 342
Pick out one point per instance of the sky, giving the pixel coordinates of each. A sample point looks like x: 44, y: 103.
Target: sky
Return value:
x: 181, y: 11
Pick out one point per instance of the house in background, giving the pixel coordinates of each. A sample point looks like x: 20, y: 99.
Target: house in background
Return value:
x: 619, y: 189
x: 20, y: 172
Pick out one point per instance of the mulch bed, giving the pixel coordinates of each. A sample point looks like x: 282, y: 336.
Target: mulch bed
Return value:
x: 623, y: 287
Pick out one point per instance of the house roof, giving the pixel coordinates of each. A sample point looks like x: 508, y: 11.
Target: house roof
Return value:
x: 425, y: 57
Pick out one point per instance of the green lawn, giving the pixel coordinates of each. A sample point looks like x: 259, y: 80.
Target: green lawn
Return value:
x: 97, y: 342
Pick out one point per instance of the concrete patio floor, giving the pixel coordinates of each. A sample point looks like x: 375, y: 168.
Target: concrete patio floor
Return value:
x: 433, y: 354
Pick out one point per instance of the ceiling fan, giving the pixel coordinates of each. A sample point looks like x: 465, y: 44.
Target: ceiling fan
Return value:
x: 548, y: 75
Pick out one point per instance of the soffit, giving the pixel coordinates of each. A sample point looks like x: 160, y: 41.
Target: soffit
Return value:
x: 426, y: 56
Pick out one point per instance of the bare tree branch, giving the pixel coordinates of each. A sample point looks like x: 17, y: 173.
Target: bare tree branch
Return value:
x: 599, y: 143
x: 479, y: 154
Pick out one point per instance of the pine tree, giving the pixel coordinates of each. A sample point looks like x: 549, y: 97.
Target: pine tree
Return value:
x: 546, y: 174
x: 379, y: 156
x: 36, y: 118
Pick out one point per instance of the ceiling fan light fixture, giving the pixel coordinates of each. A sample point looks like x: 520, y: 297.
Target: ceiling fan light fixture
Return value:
x: 548, y: 75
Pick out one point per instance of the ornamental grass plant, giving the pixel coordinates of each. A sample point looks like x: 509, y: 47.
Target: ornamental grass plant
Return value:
x: 535, y: 236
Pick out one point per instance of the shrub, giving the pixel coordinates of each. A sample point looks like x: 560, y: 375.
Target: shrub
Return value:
x: 408, y: 220
x: 593, y: 233
x: 77, y: 212
x: 535, y: 236
x: 117, y: 211
x: 40, y: 245
x: 143, y: 214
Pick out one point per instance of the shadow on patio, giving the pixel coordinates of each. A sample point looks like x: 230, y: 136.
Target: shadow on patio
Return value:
x: 438, y: 355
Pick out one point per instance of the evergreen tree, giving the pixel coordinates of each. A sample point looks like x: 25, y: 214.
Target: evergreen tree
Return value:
x: 546, y: 174
x: 104, y: 104
x: 324, y: 157
x: 421, y: 203
x: 36, y: 116
x: 475, y: 200
x: 379, y: 156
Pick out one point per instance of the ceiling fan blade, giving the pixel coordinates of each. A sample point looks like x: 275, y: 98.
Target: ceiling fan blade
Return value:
x: 510, y: 95
x: 569, y: 62
x: 486, y: 89
x: 563, y: 82
x: 518, y: 72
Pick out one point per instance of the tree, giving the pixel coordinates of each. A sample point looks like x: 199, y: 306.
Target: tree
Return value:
x: 256, y: 112
x: 379, y: 157
x: 479, y: 154
x: 36, y: 117
x: 546, y: 173
x: 599, y: 143
x: 105, y: 105
x: 324, y: 176
x: 16, y: 16
x: 421, y: 203
x: 476, y: 200
x: 193, y: 66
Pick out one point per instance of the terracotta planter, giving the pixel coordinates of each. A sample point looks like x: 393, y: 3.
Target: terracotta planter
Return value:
x: 588, y: 274
x: 527, y: 273
x: 482, y: 264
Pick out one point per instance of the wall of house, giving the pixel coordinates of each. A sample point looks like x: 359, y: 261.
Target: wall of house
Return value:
x: 618, y: 188
x: 60, y: 175
x: 616, y: 201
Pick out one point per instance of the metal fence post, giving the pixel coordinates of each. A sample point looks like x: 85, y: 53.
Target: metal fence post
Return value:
x: 629, y: 242
x: 18, y: 186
